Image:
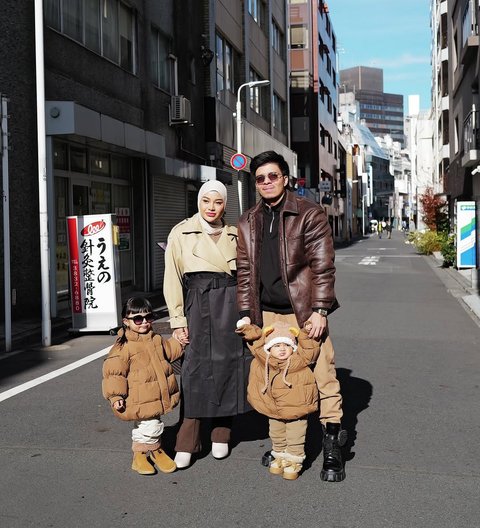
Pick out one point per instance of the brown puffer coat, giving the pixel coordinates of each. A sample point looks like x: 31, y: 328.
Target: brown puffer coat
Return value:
x: 141, y: 374
x: 279, y: 388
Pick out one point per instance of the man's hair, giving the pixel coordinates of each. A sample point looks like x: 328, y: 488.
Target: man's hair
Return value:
x: 270, y: 156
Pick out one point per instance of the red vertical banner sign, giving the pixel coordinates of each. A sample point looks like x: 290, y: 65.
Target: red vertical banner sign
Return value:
x: 75, y: 285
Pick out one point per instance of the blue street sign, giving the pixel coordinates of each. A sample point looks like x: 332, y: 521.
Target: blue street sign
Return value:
x: 238, y: 161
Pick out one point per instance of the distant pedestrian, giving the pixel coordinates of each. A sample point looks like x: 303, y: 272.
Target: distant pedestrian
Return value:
x: 282, y: 387
x: 139, y: 382
x: 379, y: 229
x: 389, y: 229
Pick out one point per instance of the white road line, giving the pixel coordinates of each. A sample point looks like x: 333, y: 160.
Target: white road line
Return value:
x: 51, y: 375
x: 369, y: 261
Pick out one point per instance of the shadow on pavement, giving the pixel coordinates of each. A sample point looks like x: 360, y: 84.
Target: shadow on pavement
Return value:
x: 356, y: 393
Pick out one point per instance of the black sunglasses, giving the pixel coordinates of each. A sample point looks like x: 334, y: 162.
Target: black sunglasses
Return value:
x: 138, y: 319
x: 272, y: 176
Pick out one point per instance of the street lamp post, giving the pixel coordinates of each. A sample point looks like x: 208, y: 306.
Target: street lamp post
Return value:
x: 238, y: 115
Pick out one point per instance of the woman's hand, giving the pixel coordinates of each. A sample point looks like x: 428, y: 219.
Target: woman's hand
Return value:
x: 181, y: 335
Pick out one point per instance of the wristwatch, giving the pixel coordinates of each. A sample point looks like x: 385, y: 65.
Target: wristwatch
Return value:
x: 321, y: 311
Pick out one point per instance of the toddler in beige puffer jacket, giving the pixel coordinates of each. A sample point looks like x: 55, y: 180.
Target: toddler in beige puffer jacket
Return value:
x: 282, y: 386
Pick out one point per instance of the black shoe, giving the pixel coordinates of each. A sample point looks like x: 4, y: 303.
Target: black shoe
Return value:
x: 333, y: 439
x: 267, y: 459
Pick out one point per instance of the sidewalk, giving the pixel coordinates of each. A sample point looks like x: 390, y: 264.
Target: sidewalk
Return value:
x: 461, y: 285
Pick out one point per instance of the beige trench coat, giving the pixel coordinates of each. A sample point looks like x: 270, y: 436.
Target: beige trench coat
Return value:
x: 190, y: 250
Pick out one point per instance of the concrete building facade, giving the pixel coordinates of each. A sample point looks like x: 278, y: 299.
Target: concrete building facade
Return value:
x: 140, y: 103
x: 314, y: 106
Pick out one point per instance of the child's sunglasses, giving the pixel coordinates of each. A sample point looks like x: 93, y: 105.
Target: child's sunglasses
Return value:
x: 138, y: 319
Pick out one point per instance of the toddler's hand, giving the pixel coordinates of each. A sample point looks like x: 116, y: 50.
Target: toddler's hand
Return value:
x: 243, y: 322
x: 119, y: 405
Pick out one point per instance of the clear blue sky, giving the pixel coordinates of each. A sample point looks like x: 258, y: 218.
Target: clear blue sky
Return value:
x: 393, y: 35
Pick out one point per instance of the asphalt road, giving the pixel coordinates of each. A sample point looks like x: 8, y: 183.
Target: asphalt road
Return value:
x: 408, y: 357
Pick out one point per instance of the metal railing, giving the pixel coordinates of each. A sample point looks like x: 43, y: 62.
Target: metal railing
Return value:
x: 471, y: 131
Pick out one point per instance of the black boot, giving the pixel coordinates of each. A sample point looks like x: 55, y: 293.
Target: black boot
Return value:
x: 333, y: 439
x: 267, y: 459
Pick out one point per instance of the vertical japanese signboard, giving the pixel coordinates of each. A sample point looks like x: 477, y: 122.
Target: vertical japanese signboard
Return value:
x: 94, y: 272
x: 466, y: 235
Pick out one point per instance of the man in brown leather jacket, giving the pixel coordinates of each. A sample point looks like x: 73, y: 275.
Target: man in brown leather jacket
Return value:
x: 286, y: 271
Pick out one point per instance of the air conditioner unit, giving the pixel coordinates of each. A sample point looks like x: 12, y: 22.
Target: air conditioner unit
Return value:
x: 180, y: 110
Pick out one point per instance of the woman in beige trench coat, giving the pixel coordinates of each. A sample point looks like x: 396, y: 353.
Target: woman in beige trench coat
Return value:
x: 200, y: 292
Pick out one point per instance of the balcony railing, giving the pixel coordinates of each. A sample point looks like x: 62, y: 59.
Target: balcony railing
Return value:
x: 471, y: 138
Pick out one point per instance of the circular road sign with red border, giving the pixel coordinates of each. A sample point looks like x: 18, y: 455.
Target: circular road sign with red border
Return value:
x: 238, y: 161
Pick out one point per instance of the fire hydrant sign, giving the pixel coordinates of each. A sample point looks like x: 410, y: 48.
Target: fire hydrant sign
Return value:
x: 94, y: 272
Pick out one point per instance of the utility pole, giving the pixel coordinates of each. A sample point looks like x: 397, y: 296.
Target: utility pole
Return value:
x: 6, y: 222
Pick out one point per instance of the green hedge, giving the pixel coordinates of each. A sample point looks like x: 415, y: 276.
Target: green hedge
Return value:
x: 429, y: 241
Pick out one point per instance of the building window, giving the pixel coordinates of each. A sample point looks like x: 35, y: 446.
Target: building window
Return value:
x: 104, y: 26
x: 468, y: 23
x: 278, y: 40
x: 279, y: 113
x: 258, y: 95
x: 298, y: 36
x: 256, y: 8
x: 162, y: 63
x: 224, y: 53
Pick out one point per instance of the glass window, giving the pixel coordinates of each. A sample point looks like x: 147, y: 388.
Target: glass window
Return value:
x: 92, y: 25
x: 72, y: 19
x: 220, y: 65
x: 110, y: 29
x: 258, y: 95
x: 104, y: 26
x: 52, y: 14
x: 99, y: 163
x: 120, y: 167
x: 298, y: 36
x: 126, y: 37
x: 225, y: 59
x: 278, y: 40
x: 78, y: 159
x: 61, y: 210
x: 278, y: 109
x: 161, y: 62
x: 60, y: 156
x: 100, y: 195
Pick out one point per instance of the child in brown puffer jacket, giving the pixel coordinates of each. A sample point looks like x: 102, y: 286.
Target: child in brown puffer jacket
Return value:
x: 282, y: 386
x: 139, y: 382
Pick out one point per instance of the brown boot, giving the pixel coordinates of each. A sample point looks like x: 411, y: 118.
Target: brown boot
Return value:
x: 141, y: 464
x: 163, y: 462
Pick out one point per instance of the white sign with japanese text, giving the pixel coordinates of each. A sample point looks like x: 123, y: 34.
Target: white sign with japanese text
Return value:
x: 94, y: 272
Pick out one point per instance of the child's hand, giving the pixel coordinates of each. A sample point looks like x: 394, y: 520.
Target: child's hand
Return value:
x: 307, y: 326
x: 119, y: 405
x: 243, y: 322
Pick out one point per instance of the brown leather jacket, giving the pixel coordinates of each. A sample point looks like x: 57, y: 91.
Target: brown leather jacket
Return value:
x: 306, y: 258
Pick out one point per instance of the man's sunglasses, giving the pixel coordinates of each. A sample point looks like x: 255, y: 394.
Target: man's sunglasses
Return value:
x: 138, y: 319
x: 272, y: 176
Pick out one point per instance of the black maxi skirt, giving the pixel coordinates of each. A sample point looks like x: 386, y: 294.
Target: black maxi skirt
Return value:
x: 216, y: 363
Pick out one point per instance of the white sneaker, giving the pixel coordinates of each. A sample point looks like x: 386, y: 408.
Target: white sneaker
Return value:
x: 183, y: 459
x: 219, y: 450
